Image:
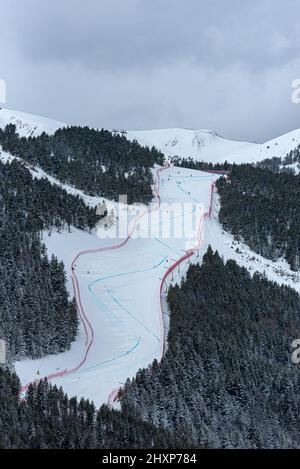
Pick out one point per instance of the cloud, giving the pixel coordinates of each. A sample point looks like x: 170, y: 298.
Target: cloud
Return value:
x: 140, y: 64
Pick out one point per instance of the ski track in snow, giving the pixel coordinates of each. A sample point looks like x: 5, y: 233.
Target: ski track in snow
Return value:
x: 113, y: 304
x: 122, y: 302
x: 88, y: 328
x: 113, y: 341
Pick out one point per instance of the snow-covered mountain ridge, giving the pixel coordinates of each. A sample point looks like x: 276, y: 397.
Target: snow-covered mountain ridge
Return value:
x: 209, y: 146
x: 202, y: 145
x: 28, y: 124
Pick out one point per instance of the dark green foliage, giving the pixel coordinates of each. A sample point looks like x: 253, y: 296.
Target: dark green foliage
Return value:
x: 49, y: 419
x: 201, y: 165
x: 36, y: 204
x: 36, y: 316
x: 92, y: 160
x: 282, y: 164
x: 263, y: 208
x: 227, y: 379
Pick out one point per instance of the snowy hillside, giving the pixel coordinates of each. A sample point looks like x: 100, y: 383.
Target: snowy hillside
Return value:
x: 120, y: 283
x: 202, y: 145
x: 122, y: 323
x: 209, y: 146
x: 124, y: 318
x: 28, y: 124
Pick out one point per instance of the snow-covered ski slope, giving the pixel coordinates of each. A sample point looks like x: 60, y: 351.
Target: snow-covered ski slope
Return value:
x: 123, y: 315
x: 122, y: 318
x: 202, y: 145
x: 118, y: 293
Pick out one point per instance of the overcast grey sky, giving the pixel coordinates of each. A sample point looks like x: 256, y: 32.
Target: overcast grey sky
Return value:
x: 140, y: 64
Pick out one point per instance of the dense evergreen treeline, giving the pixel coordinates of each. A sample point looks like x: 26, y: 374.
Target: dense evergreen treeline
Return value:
x: 283, y: 164
x: 190, y: 163
x: 36, y: 204
x: 292, y: 157
x: 227, y: 380
x: 276, y: 163
x: 263, y: 208
x: 92, y: 160
x: 49, y: 419
x: 36, y: 316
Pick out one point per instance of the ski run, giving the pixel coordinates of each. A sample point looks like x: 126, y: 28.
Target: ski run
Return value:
x: 120, y: 281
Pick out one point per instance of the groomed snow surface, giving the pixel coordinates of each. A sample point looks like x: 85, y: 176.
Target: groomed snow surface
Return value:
x: 120, y: 294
